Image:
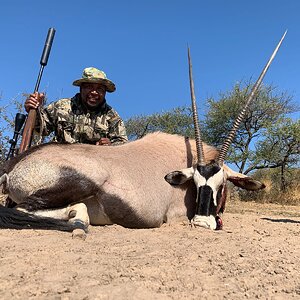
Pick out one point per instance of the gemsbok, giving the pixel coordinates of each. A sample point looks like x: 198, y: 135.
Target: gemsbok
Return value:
x: 69, y: 186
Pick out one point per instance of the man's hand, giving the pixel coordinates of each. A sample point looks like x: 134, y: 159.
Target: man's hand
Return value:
x: 34, y: 101
x: 104, y: 142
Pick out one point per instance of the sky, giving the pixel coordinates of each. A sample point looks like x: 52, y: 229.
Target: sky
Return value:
x: 142, y: 47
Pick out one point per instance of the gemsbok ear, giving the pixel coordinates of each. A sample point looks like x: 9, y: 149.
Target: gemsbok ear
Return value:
x: 246, y: 183
x: 179, y: 177
x: 242, y: 181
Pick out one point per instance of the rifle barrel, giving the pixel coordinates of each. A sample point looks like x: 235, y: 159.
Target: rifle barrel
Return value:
x: 45, y: 56
x: 30, y: 122
x: 47, y: 47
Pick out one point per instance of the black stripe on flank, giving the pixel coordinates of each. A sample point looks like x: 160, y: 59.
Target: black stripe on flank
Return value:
x: 119, y: 212
x: 71, y: 187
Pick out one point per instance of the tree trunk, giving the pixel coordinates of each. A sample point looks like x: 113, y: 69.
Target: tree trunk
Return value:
x: 283, y: 184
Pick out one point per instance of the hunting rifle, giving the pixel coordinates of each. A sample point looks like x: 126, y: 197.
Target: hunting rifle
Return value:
x: 19, y: 121
x: 31, y: 117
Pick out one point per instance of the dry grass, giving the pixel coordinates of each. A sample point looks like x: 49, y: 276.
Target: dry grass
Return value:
x: 290, y: 197
x: 272, y: 193
x: 243, y: 207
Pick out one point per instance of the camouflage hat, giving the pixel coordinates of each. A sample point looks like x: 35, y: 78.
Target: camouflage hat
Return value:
x: 94, y: 75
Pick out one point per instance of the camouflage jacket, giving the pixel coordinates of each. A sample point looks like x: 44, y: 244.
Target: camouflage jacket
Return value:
x: 71, y: 123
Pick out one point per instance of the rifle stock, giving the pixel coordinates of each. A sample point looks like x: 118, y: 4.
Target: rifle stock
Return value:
x: 28, y: 130
x: 31, y: 118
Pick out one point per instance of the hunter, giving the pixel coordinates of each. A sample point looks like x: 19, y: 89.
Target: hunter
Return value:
x: 85, y: 118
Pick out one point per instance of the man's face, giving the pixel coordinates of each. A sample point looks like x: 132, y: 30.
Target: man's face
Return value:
x: 92, y: 94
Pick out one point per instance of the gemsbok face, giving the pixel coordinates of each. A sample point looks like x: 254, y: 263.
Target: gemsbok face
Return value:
x: 210, y: 177
x: 210, y: 181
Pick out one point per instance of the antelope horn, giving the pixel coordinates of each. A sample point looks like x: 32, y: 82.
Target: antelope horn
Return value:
x: 199, y: 145
x: 241, y: 116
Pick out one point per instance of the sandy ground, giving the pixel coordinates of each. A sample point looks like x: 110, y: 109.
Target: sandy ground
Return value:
x: 256, y: 256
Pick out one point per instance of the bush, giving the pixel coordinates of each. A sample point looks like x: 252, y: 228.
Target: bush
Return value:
x: 273, y: 193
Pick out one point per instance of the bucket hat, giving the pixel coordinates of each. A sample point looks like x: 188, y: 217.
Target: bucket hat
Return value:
x: 94, y: 75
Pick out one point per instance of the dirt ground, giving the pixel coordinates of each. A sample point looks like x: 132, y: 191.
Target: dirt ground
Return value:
x: 257, y: 255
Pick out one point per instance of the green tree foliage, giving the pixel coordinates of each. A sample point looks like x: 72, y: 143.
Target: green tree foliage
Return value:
x: 265, y: 111
x: 176, y: 121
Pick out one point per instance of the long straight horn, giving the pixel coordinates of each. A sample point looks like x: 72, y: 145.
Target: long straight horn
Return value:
x: 199, y: 145
x: 241, y: 116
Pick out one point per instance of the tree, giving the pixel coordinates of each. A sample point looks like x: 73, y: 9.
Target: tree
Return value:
x: 6, y: 127
x: 176, y: 121
x: 265, y: 111
x: 280, y: 147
